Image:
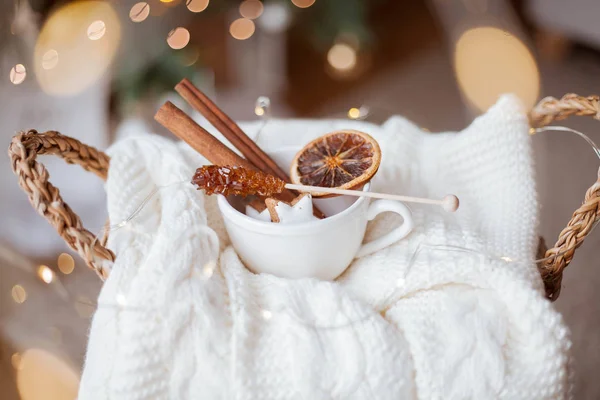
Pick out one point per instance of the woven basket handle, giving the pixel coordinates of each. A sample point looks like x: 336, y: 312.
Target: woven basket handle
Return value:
x: 45, y: 198
x: 584, y: 218
x: 33, y: 178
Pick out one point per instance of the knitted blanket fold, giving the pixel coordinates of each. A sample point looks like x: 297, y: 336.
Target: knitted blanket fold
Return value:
x: 454, y: 311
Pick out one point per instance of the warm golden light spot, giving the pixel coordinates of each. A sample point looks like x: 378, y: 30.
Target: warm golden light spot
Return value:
x: 197, y: 6
x: 18, y: 73
x: 251, y: 9
x: 490, y: 62
x: 139, y: 12
x: 86, y: 35
x: 45, y: 376
x: 209, y: 269
x: 166, y: 1
x: 19, y: 294
x: 262, y: 105
x: 66, y: 263
x: 354, y: 113
x: 178, y: 38
x: 303, y: 3
x: 242, y: 28
x: 342, y: 57
x: 45, y: 274
x: 96, y: 30
x: 50, y: 59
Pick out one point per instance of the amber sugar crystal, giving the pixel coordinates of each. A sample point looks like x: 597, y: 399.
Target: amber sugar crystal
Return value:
x: 237, y: 181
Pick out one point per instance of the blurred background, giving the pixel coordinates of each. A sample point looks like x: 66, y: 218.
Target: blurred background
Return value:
x: 98, y: 70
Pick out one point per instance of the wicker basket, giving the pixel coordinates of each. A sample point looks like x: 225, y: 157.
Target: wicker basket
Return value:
x: 46, y: 199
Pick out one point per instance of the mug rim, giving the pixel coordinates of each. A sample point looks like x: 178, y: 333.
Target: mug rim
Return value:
x: 247, y: 222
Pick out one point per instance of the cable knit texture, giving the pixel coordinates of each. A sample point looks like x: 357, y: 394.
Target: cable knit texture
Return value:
x: 181, y: 318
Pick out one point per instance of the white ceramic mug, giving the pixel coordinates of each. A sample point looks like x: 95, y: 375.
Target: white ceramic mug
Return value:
x: 319, y: 248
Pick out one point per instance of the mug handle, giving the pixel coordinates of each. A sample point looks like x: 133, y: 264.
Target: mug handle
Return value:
x: 376, y: 208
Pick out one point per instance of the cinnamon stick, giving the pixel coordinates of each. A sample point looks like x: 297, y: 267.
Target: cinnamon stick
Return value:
x: 186, y: 129
x: 224, y: 124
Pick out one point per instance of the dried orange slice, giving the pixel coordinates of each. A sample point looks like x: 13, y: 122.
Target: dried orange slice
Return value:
x: 342, y: 159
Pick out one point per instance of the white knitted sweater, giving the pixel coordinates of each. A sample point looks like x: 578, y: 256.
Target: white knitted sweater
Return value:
x: 438, y: 323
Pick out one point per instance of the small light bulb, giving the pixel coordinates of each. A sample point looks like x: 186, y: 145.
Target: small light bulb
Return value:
x: 262, y: 106
x: 18, y: 73
x: 354, y: 113
x: 19, y: 294
x: 209, y: 269
x: 251, y: 9
x: 303, y: 3
x: 45, y: 274
x: 178, y: 38
x: 196, y: 6
x: 139, y: 12
x: 242, y: 28
x: 266, y: 314
x: 96, y: 30
x: 66, y: 264
x: 342, y: 57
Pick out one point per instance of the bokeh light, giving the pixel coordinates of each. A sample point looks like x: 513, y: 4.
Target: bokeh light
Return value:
x: 262, y: 106
x: 489, y: 62
x: 42, y: 375
x: 18, y: 73
x: 209, y: 269
x: 178, y: 38
x: 342, y: 57
x: 19, y: 294
x: 66, y: 263
x: 359, y: 113
x: 96, y: 30
x: 139, y: 12
x: 197, y: 6
x: 242, y: 28
x: 190, y: 56
x: 303, y: 3
x: 50, y: 59
x: 86, y: 35
x: 251, y: 9
x: 45, y: 274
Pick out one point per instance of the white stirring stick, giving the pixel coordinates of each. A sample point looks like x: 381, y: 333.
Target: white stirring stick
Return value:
x: 448, y: 203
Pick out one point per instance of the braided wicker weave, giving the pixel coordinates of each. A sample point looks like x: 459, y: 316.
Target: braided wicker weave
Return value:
x: 46, y: 199
x: 585, y: 217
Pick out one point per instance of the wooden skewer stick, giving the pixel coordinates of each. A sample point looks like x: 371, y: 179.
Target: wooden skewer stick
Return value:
x: 449, y: 203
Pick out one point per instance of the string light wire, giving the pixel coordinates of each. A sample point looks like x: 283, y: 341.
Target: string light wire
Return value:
x: 269, y: 314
